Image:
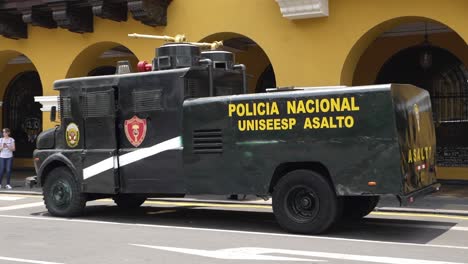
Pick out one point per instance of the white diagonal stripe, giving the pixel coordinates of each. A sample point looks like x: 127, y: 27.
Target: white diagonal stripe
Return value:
x: 27, y: 260
x: 174, y: 143
x: 97, y: 168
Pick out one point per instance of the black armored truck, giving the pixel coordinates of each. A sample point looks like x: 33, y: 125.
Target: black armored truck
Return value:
x: 184, y: 125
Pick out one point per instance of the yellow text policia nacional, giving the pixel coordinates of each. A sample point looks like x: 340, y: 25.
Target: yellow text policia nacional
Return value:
x: 271, y: 115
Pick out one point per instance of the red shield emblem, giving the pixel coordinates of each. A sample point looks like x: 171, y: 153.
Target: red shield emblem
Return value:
x: 135, y: 130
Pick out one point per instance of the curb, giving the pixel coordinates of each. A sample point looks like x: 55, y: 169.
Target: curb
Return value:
x: 268, y: 203
x: 421, y: 211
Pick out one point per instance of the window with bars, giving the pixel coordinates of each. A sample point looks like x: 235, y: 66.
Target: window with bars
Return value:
x: 64, y: 109
x: 145, y: 101
x: 449, y: 95
x: 98, y: 104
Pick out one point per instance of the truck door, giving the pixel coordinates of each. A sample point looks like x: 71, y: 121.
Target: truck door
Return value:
x: 149, y: 122
x: 100, y: 160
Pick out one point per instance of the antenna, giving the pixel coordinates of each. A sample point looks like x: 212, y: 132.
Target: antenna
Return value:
x: 180, y: 39
x: 177, y: 38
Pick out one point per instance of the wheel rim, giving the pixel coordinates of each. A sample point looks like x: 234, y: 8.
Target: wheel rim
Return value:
x: 61, y: 194
x: 302, y: 204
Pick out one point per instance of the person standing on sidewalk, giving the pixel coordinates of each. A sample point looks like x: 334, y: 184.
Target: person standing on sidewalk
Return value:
x: 7, y: 146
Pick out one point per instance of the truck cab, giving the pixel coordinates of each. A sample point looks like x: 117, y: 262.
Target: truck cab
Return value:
x: 112, y: 127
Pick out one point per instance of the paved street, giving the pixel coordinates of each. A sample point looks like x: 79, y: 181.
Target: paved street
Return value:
x: 171, y: 232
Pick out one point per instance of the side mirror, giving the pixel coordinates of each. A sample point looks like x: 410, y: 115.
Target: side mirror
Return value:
x: 53, y: 113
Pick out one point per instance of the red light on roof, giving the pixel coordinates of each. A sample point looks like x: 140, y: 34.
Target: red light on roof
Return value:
x: 144, y: 66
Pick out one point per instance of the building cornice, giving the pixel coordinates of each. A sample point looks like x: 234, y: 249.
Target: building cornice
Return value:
x: 75, y: 15
x: 300, y: 9
x: 47, y: 102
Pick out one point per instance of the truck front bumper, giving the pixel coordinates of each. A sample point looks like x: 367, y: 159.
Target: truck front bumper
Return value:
x: 411, y: 197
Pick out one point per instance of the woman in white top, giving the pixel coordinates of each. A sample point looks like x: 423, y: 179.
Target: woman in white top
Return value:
x: 7, y: 146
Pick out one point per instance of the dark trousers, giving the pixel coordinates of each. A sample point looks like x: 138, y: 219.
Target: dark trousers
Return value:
x: 5, y: 163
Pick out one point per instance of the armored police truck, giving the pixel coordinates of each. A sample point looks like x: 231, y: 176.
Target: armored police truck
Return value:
x: 186, y: 126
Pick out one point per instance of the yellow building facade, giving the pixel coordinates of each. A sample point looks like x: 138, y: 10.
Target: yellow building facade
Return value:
x: 341, y: 42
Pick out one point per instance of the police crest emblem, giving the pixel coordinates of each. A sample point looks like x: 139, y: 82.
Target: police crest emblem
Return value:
x: 135, y: 130
x: 72, y: 135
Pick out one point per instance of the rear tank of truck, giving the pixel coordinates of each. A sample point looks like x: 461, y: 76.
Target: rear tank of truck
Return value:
x: 377, y: 140
x: 417, y: 139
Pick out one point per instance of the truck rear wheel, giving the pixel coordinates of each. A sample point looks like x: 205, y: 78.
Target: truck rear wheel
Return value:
x: 129, y: 201
x: 304, y: 202
x: 357, y: 207
x: 62, y: 195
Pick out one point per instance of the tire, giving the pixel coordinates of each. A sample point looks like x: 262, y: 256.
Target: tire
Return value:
x: 304, y: 202
x: 357, y: 207
x: 62, y: 194
x: 129, y: 201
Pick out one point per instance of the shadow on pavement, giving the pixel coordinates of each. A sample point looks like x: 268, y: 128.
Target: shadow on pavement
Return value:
x: 378, y: 229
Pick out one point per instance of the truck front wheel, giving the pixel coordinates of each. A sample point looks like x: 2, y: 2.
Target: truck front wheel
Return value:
x: 129, y: 201
x: 62, y: 195
x: 304, y: 202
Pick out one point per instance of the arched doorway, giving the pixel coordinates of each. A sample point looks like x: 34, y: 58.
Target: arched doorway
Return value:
x: 101, y: 59
x: 248, y: 52
x: 266, y: 80
x: 21, y: 114
x: 103, y: 70
x: 430, y: 55
x: 446, y: 79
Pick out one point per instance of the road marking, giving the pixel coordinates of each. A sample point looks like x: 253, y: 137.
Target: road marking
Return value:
x: 161, y: 212
x: 28, y: 260
x: 190, y: 204
x: 251, y: 253
x: 201, y: 204
x: 232, y: 231
x: 21, y: 206
x: 231, y: 253
x: 11, y: 198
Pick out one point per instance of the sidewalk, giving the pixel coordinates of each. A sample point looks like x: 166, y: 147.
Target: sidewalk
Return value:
x: 17, y: 181
x: 452, y: 198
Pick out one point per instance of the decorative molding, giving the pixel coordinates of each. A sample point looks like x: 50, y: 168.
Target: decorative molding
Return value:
x: 36, y: 16
x: 300, y: 9
x: 115, y: 54
x: 12, y: 26
x: 21, y: 59
x: 75, y: 15
x: 108, y: 9
x: 416, y: 28
x: 75, y: 18
x: 149, y: 12
x: 47, y: 102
